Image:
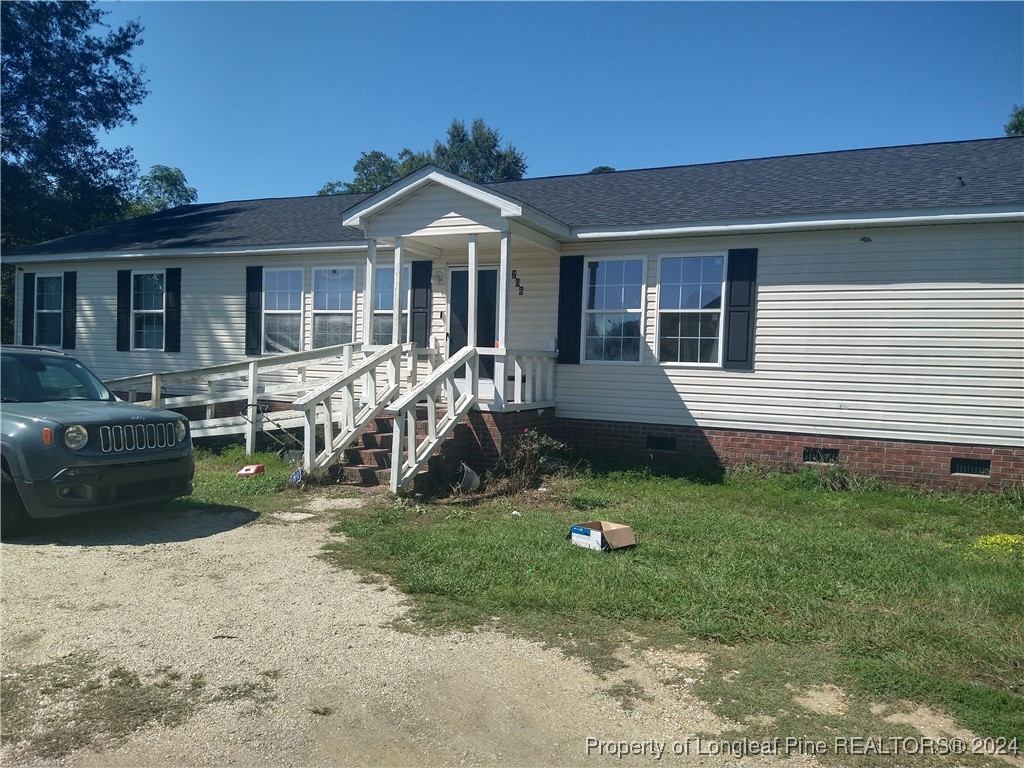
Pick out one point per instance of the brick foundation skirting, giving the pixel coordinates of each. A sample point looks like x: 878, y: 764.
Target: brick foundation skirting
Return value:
x: 902, y: 462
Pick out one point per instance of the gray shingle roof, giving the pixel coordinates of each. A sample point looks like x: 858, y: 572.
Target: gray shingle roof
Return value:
x: 924, y: 176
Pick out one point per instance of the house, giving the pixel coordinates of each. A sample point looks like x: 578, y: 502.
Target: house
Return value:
x: 863, y: 306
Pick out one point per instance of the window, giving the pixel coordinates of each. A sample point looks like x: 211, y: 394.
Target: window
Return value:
x: 690, y: 309
x: 49, y: 306
x: 383, y: 304
x: 333, y: 305
x: 148, y: 309
x: 282, y: 310
x: 613, y: 310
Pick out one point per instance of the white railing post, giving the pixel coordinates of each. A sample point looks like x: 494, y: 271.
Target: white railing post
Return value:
x: 252, y: 407
x: 211, y: 408
x: 398, y: 431
x: 154, y: 391
x: 309, y: 439
x: 500, y: 381
x: 549, y: 365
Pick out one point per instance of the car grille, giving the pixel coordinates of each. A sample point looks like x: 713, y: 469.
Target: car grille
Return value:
x: 137, y: 437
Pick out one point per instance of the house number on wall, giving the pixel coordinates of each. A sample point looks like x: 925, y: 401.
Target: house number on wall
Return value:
x: 519, y: 282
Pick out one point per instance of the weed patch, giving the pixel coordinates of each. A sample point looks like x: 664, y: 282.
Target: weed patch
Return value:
x: 804, y: 580
x: 52, y: 709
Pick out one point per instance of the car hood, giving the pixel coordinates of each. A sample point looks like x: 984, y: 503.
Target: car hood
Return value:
x: 87, y: 412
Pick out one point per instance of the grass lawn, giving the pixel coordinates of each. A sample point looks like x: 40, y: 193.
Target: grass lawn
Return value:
x: 890, y: 594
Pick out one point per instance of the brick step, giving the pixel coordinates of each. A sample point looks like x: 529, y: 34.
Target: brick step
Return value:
x: 368, y: 461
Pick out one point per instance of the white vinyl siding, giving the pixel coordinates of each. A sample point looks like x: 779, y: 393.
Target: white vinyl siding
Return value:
x: 917, y: 335
x: 436, y: 210
x: 49, y: 310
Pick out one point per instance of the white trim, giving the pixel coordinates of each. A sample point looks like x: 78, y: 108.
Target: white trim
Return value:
x: 185, y: 253
x: 724, y: 254
x: 420, y: 179
x: 36, y: 310
x: 300, y: 311
x: 641, y: 312
x: 162, y: 312
x: 767, y: 226
x: 314, y: 311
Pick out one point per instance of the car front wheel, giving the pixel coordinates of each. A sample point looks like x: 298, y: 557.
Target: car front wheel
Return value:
x: 13, y: 515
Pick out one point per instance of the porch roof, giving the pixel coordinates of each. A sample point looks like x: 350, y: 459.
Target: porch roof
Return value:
x: 961, y: 176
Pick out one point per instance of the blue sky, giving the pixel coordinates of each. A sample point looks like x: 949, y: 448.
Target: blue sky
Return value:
x: 273, y: 99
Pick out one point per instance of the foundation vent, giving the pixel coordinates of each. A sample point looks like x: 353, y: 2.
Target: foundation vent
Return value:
x: 962, y: 466
x: 821, y: 455
x: 660, y: 443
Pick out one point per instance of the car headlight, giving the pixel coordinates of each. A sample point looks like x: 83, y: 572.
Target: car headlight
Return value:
x: 180, y: 430
x: 75, y: 437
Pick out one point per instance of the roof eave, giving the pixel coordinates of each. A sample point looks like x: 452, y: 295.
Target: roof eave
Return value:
x: 767, y: 225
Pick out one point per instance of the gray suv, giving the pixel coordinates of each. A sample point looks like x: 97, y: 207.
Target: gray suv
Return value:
x: 67, y: 445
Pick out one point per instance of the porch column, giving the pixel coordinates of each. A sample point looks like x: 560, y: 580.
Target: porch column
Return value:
x: 369, y: 280
x: 504, y: 279
x: 472, y: 309
x: 396, y: 302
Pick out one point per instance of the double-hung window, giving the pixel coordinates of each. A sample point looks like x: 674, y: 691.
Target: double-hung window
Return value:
x: 49, y: 310
x: 690, y: 309
x: 148, y: 309
x: 333, y: 306
x: 613, y: 310
x: 282, y: 310
x: 384, y: 302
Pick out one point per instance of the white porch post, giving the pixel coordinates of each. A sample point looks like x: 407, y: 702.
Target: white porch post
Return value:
x: 396, y: 308
x: 368, y: 285
x: 504, y: 279
x: 472, y: 309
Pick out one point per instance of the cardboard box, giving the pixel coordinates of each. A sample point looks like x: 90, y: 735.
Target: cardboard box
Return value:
x: 602, y: 535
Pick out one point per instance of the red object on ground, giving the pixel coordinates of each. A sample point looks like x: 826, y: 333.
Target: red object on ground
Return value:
x: 250, y: 469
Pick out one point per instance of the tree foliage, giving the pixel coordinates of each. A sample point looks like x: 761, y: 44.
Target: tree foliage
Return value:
x: 162, y: 188
x: 1016, y: 125
x: 601, y: 169
x: 62, y: 84
x: 475, y: 154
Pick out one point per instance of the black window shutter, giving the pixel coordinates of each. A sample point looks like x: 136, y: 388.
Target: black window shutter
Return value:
x: 70, y: 310
x: 570, y: 308
x: 253, y: 310
x: 172, y: 320
x: 124, y: 310
x: 28, y: 308
x: 420, y: 273
x: 740, y: 300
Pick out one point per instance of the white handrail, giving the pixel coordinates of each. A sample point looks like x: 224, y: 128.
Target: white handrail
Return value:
x: 349, y: 421
x: 408, y: 453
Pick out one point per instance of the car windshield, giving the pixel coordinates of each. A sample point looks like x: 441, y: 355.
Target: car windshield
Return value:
x: 28, y: 378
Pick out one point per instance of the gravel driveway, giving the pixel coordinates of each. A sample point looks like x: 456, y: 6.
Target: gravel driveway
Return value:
x: 299, y: 660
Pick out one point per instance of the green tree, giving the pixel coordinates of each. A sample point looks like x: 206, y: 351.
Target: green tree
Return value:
x: 475, y: 154
x: 163, y: 187
x: 601, y: 169
x: 1016, y: 125
x: 60, y: 84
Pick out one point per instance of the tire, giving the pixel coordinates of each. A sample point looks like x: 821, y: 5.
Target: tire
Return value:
x: 14, y: 517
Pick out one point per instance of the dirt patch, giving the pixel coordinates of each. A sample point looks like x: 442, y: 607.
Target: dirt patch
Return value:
x: 823, y: 699
x: 300, y: 662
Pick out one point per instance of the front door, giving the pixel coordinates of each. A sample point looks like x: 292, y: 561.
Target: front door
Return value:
x: 486, y: 314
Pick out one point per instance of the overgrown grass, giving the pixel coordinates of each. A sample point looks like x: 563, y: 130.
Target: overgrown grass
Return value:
x: 883, y: 591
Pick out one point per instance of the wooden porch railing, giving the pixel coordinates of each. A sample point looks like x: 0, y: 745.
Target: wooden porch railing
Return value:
x: 528, y: 376
x: 243, y: 381
x: 341, y: 430
x: 408, y: 452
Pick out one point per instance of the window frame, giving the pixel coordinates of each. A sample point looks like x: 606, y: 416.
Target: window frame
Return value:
x: 405, y: 313
x: 301, y: 311
x: 720, y: 310
x: 36, y: 311
x: 641, y: 311
x: 162, y: 312
x: 314, y: 312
